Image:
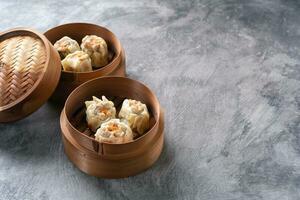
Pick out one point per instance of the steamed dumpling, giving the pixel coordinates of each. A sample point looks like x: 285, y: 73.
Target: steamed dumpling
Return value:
x: 137, y: 115
x: 114, y: 131
x: 99, y: 111
x: 78, y: 61
x: 65, y: 46
x: 96, y: 47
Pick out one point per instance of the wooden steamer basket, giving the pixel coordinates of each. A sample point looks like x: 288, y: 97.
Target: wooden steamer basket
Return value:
x: 70, y: 80
x: 29, y: 72
x: 105, y: 159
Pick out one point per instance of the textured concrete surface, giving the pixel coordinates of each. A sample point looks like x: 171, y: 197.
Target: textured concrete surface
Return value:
x: 227, y: 74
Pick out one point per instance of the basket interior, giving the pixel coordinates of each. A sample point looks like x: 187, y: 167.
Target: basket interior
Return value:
x: 110, y: 47
x: 79, y: 31
x: 78, y: 118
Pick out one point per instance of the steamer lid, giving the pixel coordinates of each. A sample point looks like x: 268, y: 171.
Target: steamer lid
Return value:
x: 29, y: 72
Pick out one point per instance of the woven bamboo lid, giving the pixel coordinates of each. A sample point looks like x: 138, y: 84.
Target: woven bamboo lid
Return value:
x: 29, y: 73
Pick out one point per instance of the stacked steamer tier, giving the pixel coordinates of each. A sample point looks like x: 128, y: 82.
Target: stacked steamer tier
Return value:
x: 106, y: 159
x: 70, y: 80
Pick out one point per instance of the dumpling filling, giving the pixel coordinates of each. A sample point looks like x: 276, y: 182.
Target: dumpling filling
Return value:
x: 99, y: 111
x: 96, y: 48
x: 78, y: 61
x: 137, y: 115
x: 114, y: 131
x: 65, y: 46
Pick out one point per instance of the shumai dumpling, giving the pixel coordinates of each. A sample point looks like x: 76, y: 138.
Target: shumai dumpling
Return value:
x: 114, y: 131
x: 78, y: 61
x: 65, y: 46
x: 99, y: 111
x: 137, y: 115
x: 96, y: 47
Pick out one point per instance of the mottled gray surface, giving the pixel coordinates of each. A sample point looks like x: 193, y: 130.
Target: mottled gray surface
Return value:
x: 227, y: 74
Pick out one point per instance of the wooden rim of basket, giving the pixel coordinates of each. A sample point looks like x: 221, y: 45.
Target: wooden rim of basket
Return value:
x: 22, y: 32
x: 107, y: 68
x: 156, y: 103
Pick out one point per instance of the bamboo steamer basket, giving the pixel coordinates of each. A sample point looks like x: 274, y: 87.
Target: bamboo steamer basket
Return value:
x: 29, y: 72
x: 108, y: 160
x: 70, y: 80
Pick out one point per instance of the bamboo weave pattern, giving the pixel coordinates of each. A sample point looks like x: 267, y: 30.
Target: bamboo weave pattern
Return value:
x: 22, y: 62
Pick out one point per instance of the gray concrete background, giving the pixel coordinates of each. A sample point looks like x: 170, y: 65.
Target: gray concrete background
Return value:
x: 227, y: 74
